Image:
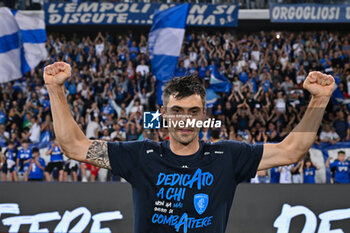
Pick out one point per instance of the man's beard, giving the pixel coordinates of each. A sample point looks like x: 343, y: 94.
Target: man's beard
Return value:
x: 183, y: 140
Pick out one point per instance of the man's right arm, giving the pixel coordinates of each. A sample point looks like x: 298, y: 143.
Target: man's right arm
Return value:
x: 71, y: 139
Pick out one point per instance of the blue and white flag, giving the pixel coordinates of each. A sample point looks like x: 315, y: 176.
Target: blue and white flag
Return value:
x: 219, y: 82
x: 164, y: 43
x: 22, y: 42
x: 211, y: 98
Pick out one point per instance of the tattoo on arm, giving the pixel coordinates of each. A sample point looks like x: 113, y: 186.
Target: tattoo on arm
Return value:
x: 98, y: 154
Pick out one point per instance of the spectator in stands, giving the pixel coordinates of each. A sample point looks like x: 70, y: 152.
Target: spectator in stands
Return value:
x: 328, y: 134
x: 24, y: 157
x: 341, y: 168
x: 9, y: 167
x: 114, y: 72
x: 35, y: 130
x: 4, y: 135
x: 285, y: 174
x: 340, y: 125
x: 260, y: 178
x: 2, y: 163
x: 308, y: 169
x: 93, y: 127
x: 36, y: 167
x: 71, y: 168
x: 296, y: 174
x: 275, y: 175
x: 56, y: 161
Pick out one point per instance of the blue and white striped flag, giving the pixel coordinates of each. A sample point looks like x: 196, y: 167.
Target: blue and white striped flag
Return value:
x: 22, y: 42
x: 164, y: 43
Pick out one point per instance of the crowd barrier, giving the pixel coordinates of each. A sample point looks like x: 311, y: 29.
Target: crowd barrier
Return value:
x: 107, y: 207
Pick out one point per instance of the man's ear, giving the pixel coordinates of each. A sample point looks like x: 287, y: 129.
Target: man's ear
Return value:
x: 162, y: 111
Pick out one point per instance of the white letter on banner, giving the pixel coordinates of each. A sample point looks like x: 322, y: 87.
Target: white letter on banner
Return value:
x: 282, y: 222
x: 70, y: 7
x: 291, y: 12
x: 86, y: 7
x: 85, y: 18
x: 54, y: 18
x: 284, y: 12
x: 324, y: 13
x: 332, y: 11
x: 52, y: 8
x: 307, y: 13
x: 111, y: 16
x: 121, y: 7
x: 276, y: 12
x: 75, y: 18
x: 122, y: 18
x: 209, y: 20
x: 220, y: 9
x: 332, y: 215
x: 16, y: 222
x: 69, y: 216
x: 196, y: 8
x: 106, y: 6
x: 299, y: 13
x: 98, y: 18
x: 134, y: 9
x: 145, y: 8
x: 231, y: 9
x: 9, y: 208
x: 103, y: 217
x: 191, y: 19
x: 65, y: 18
x: 347, y: 15
x: 165, y: 6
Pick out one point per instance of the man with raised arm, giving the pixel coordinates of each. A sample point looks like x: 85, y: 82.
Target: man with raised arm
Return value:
x: 184, y: 184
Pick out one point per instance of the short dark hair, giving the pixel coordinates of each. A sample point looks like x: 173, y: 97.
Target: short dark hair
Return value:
x: 215, y: 134
x: 35, y: 149
x: 183, y: 87
x: 341, y: 152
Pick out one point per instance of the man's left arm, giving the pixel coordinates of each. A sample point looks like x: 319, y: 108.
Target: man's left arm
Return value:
x: 299, y: 141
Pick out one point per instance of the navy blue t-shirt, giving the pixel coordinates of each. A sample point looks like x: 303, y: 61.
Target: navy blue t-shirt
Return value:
x: 173, y: 193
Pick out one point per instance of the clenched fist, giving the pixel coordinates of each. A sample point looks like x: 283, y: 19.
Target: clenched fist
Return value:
x: 319, y: 84
x: 57, y: 73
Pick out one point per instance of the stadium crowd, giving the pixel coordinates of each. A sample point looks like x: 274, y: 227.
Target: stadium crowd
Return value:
x: 112, y: 85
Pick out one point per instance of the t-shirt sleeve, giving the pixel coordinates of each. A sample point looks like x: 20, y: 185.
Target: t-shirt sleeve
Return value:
x: 333, y: 165
x: 42, y: 162
x: 124, y: 157
x: 245, y: 159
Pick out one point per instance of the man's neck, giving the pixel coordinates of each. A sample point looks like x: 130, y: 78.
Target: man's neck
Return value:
x: 180, y: 149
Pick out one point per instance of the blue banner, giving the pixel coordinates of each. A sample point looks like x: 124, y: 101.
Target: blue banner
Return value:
x: 310, y: 13
x: 60, y: 13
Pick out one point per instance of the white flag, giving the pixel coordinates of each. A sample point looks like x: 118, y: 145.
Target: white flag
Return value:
x: 22, y: 42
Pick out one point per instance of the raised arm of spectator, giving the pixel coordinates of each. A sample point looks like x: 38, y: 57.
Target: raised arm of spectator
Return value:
x: 71, y: 139
x: 116, y: 107
x: 240, y: 94
x: 298, y: 142
x: 258, y: 92
x: 328, y: 161
x: 301, y: 168
x: 316, y: 166
x: 99, y: 36
x: 131, y: 104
